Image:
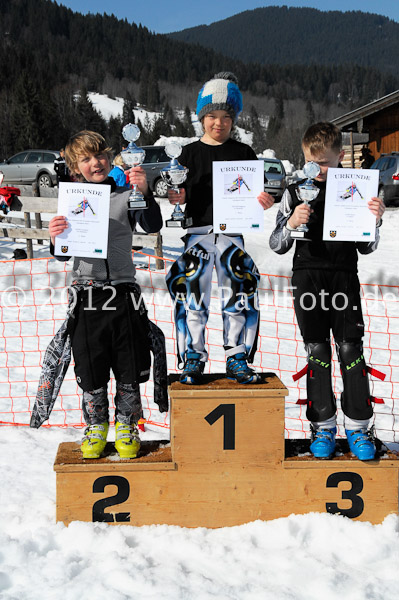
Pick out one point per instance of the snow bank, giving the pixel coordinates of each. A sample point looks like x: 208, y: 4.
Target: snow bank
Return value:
x: 245, y: 136
x: 269, y: 153
x: 301, y: 557
x: 113, y: 107
x: 174, y: 138
x: 289, y: 167
x: 107, y: 107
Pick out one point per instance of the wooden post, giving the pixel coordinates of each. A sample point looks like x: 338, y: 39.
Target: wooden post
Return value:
x: 159, y: 264
x: 39, y: 225
x: 352, y: 150
x: 227, y: 464
x: 38, y: 218
x: 154, y: 240
x: 29, y: 244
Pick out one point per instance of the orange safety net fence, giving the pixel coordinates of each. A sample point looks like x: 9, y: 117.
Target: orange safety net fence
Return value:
x: 33, y: 300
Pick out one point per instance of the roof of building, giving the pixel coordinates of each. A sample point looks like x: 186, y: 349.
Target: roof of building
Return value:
x: 366, y: 110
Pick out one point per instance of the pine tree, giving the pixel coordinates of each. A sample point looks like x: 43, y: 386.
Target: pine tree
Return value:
x: 169, y: 114
x: 179, y: 128
x: 114, y: 134
x: 160, y: 127
x: 276, y: 121
x: 26, y: 116
x: 190, y: 131
x: 145, y: 132
x: 259, y: 134
x: 86, y: 117
x: 128, y: 106
x: 143, y: 91
x: 153, y: 95
x: 310, y: 116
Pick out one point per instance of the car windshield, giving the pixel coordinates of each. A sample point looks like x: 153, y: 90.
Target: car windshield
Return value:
x: 376, y: 165
x: 151, y: 155
x: 273, y: 167
x: 18, y: 158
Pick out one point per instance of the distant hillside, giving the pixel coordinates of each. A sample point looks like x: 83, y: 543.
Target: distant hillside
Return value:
x: 282, y: 35
x: 51, y: 57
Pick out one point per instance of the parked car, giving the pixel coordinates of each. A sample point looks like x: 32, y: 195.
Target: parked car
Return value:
x: 155, y: 160
x: 275, y: 177
x: 30, y: 166
x: 388, y: 185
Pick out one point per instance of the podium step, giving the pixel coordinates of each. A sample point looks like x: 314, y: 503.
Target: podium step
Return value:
x: 297, y: 454
x: 153, y: 455
x: 227, y: 464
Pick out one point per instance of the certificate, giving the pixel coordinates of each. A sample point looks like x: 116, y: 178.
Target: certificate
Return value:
x: 86, y: 207
x: 346, y: 214
x: 236, y: 185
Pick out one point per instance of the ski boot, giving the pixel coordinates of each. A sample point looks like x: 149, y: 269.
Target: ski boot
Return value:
x: 238, y: 370
x: 361, y: 443
x: 127, y: 440
x: 193, y: 369
x: 94, y: 441
x: 323, y: 442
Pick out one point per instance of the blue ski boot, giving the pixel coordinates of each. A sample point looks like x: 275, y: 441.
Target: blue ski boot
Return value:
x: 193, y: 369
x: 323, y: 442
x: 361, y: 443
x: 237, y: 369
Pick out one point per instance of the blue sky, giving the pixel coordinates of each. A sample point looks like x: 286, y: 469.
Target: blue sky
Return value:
x: 163, y: 16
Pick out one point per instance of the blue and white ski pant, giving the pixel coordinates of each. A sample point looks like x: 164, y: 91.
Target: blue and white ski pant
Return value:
x: 190, y: 282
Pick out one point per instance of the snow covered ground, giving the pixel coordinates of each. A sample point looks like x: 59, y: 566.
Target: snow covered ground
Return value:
x: 297, y: 558
x: 301, y: 557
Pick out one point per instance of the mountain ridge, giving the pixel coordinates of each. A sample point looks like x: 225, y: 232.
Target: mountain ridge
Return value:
x: 269, y: 35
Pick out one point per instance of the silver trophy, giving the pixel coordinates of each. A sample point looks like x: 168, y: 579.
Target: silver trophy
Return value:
x: 306, y: 192
x: 174, y: 175
x: 133, y: 156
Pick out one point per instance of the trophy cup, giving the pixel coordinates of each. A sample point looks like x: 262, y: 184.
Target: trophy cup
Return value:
x: 133, y: 156
x: 174, y: 175
x: 306, y: 192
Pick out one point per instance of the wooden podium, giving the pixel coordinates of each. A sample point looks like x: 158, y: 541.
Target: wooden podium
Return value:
x: 227, y: 464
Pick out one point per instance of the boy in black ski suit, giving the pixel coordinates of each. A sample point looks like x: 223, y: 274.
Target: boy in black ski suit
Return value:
x: 327, y: 298
x: 206, y: 246
x: 109, y: 325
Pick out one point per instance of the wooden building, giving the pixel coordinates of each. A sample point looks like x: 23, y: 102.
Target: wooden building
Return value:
x: 380, y: 119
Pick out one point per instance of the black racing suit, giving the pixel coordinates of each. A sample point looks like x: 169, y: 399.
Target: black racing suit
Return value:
x: 327, y: 298
x: 109, y: 328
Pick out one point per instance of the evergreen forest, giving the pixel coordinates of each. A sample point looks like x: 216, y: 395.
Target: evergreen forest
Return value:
x: 51, y: 57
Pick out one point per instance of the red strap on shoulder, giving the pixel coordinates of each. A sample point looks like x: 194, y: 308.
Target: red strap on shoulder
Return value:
x: 302, y: 401
x: 300, y: 373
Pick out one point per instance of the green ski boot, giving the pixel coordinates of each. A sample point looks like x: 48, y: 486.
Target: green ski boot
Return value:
x: 127, y: 440
x: 95, y: 438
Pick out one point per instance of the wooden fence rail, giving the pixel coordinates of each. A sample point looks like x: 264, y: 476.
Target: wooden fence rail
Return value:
x: 9, y: 226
